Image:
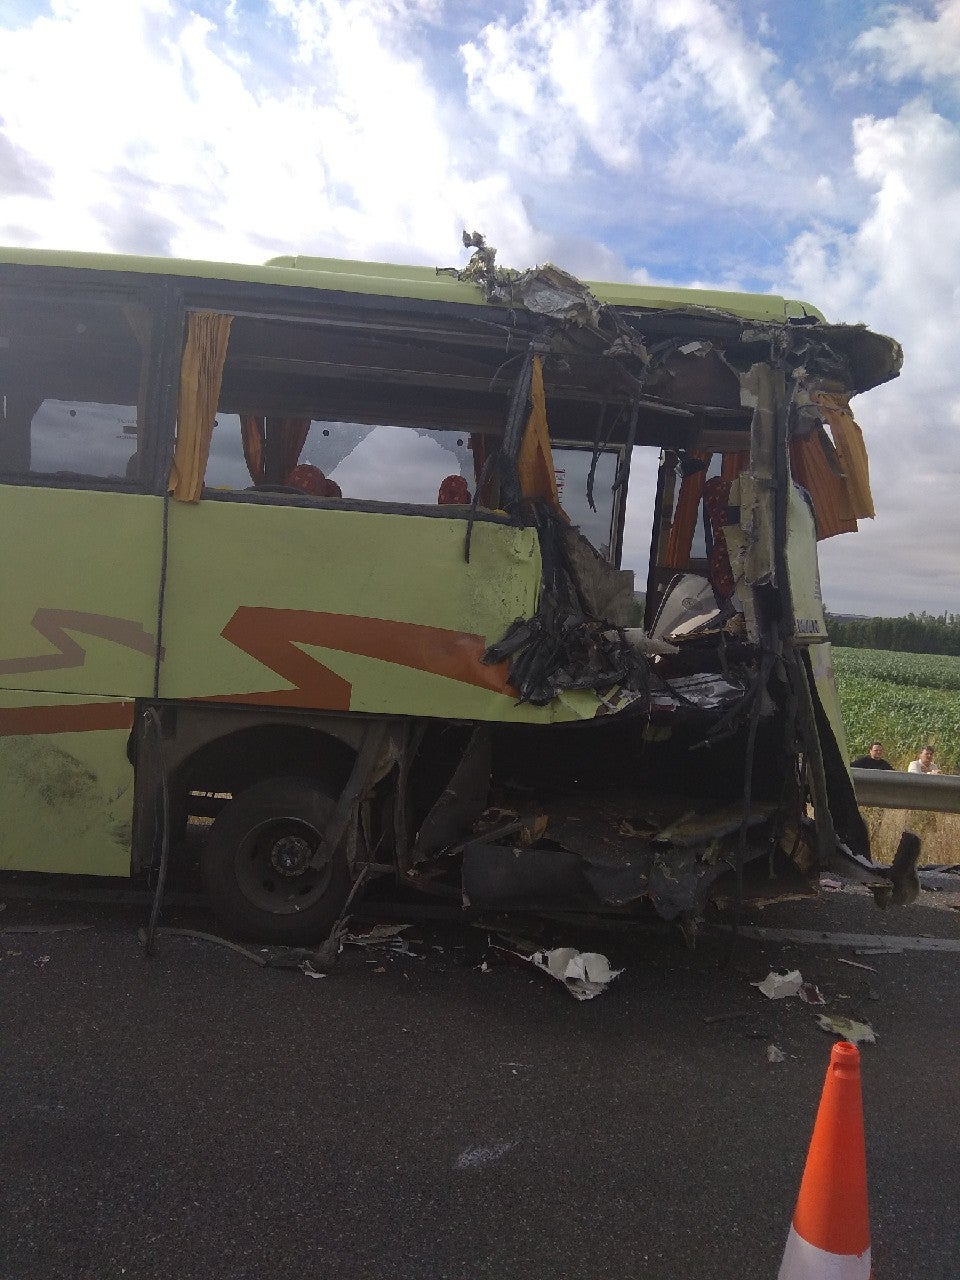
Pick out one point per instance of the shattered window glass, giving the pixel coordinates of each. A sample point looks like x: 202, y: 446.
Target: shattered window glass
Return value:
x: 572, y: 467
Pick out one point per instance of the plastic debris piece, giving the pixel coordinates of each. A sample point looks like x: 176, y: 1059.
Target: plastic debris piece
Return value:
x: 307, y: 968
x: 585, y: 974
x: 810, y: 993
x: 847, y: 1028
x: 777, y: 986
x: 775, y: 1054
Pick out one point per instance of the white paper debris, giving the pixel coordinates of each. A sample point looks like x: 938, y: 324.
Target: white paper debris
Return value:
x: 777, y: 986
x: 585, y: 974
x: 847, y: 1028
x: 775, y: 1054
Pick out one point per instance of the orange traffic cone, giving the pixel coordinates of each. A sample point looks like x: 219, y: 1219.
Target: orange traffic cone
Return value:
x: 830, y: 1235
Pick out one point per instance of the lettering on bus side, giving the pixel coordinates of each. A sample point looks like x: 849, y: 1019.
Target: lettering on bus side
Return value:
x: 806, y: 627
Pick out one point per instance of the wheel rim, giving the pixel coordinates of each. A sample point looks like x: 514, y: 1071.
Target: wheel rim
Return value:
x: 283, y: 865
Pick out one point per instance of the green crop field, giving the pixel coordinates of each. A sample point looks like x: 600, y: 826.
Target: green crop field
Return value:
x: 903, y: 699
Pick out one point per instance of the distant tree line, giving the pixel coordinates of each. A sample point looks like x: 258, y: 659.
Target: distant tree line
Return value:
x: 916, y: 633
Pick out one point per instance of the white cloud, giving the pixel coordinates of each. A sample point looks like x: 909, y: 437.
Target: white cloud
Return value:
x: 896, y: 271
x: 162, y: 137
x: 614, y: 78
x: 911, y: 44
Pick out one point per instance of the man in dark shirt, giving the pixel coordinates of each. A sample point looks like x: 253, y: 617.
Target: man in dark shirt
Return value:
x: 874, y: 760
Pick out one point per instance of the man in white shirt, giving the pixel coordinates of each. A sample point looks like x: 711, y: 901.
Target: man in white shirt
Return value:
x: 923, y: 763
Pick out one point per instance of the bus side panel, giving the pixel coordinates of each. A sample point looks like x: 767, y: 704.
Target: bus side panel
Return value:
x: 346, y: 610
x: 66, y: 786
x: 821, y: 663
x: 79, y: 580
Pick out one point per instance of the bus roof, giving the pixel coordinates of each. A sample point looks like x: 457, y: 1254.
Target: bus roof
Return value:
x: 398, y: 281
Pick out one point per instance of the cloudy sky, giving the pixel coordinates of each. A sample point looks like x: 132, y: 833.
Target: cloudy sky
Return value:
x: 809, y: 148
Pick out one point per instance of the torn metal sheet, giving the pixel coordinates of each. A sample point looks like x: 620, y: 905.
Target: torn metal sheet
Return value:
x: 585, y: 974
x: 696, y: 827
x: 679, y: 882
x: 460, y: 803
x: 705, y: 690
x: 549, y: 291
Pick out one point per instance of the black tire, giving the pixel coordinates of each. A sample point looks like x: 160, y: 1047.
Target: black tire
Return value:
x: 255, y: 863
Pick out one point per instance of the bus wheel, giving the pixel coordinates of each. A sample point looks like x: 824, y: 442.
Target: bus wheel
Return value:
x: 268, y: 871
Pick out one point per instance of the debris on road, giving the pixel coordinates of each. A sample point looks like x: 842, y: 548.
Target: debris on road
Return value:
x: 810, y: 993
x: 855, y: 964
x: 847, y: 1028
x: 778, y: 986
x: 377, y: 935
x: 775, y: 1054
x: 585, y: 974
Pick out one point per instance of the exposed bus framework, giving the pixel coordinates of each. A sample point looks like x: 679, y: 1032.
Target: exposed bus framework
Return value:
x: 233, y: 586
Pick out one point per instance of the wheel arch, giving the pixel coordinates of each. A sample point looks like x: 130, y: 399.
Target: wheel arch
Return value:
x: 209, y: 752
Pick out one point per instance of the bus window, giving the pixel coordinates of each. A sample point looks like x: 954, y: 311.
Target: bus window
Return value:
x: 573, y: 470
x: 390, y: 464
x: 71, y: 379
x: 380, y: 463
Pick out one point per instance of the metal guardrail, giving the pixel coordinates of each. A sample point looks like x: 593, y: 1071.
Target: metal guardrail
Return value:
x: 890, y: 789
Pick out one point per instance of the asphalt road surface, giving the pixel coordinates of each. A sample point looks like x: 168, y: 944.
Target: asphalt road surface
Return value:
x: 452, y: 1114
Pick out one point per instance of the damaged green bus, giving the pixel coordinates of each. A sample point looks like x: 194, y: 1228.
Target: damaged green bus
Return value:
x: 312, y: 572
